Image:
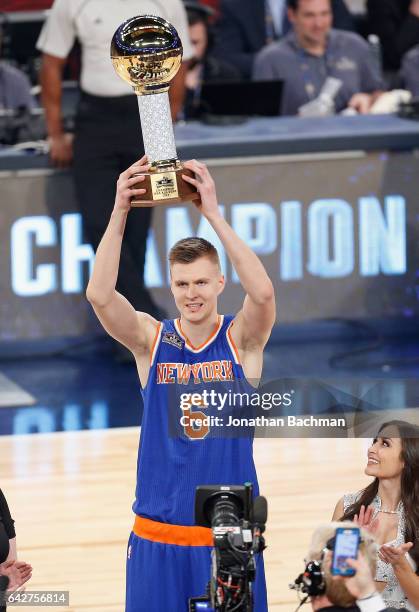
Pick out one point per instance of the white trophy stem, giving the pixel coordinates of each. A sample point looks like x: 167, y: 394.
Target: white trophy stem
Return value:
x: 157, y: 127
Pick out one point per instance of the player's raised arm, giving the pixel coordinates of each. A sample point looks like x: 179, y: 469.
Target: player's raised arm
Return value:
x: 119, y: 318
x: 254, y: 322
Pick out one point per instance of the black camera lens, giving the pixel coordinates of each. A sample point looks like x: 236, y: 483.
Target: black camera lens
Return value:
x: 226, y: 511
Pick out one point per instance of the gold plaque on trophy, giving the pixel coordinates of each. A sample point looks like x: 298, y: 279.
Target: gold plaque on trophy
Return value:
x: 164, y: 186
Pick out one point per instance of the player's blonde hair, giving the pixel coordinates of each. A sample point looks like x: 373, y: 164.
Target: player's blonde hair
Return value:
x: 189, y: 250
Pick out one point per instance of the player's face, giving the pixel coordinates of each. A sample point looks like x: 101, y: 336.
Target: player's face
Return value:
x: 196, y: 287
x: 384, y: 458
x: 312, y: 21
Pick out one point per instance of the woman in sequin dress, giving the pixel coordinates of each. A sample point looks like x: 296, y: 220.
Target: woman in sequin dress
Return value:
x: 389, y: 507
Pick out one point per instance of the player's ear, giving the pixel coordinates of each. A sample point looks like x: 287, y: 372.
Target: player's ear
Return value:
x: 221, y: 284
x: 171, y: 279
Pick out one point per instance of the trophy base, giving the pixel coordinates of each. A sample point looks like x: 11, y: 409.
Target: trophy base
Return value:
x: 165, y: 187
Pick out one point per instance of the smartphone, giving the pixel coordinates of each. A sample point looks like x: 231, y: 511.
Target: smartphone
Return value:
x: 346, y: 546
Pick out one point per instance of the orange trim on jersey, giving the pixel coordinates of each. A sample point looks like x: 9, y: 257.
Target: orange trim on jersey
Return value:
x: 153, y: 346
x: 232, y: 343
x: 172, y: 534
x: 207, y: 341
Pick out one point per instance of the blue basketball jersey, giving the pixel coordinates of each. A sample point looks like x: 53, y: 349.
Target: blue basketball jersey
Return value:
x: 177, y: 451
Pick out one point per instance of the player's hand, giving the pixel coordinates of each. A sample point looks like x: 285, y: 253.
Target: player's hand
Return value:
x: 395, y: 555
x: 204, y: 184
x: 125, y: 190
x: 361, y: 584
x: 61, y: 150
x: 365, y: 519
x: 361, y: 102
x: 18, y: 572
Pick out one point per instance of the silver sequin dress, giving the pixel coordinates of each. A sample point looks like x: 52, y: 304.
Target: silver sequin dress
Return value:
x: 393, y: 594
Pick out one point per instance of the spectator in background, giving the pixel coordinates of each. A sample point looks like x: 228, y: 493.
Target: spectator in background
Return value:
x: 203, y: 67
x: 410, y: 71
x: 213, y: 4
x: 396, y: 23
x: 245, y: 26
x: 13, y: 573
x: 108, y: 134
x: 311, y: 52
x: 389, y: 507
x: 15, y: 88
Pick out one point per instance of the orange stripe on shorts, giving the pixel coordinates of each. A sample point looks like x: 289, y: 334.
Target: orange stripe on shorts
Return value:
x: 172, y: 534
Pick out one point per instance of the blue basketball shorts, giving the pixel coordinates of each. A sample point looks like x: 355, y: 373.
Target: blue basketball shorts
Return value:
x: 161, y: 577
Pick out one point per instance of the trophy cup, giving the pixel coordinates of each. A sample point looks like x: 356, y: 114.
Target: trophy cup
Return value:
x: 146, y: 51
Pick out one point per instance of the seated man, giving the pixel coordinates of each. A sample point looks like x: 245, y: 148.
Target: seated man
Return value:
x: 311, y: 53
x: 203, y: 68
x: 245, y: 26
x: 410, y: 71
x: 15, y: 89
x: 335, y: 593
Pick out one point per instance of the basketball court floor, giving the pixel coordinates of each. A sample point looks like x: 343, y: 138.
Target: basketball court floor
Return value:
x: 71, y: 493
x: 68, y: 454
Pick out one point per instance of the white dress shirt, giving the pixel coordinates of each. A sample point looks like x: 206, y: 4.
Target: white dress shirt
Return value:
x: 278, y: 8
x: 93, y: 23
x: 372, y: 604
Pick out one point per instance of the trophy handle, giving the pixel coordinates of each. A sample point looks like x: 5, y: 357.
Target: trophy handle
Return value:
x: 165, y: 188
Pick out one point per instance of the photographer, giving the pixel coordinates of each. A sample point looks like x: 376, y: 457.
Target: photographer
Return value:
x: 362, y: 586
x: 203, y: 67
x: 337, y: 593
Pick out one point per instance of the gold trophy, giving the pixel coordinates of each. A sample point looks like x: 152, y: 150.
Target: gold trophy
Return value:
x: 146, y: 51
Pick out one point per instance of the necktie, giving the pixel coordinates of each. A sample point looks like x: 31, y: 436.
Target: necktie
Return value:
x: 277, y: 24
x: 286, y: 24
x: 269, y: 23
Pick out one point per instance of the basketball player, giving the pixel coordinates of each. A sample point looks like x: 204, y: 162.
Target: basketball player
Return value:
x: 168, y: 557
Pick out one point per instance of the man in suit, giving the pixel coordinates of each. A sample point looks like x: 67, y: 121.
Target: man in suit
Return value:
x: 396, y: 23
x: 245, y: 26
